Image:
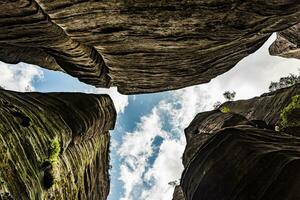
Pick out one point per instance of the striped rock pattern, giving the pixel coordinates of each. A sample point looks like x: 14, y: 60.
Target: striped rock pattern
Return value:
x: 287, y: 43
x: 140, y: 46
x: 30, y: 122
x: 238, y: 155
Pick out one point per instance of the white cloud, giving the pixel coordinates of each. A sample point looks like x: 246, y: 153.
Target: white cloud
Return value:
x: 120, y: 101
x: 19, y: 77
x: 252, y: 75
x: 142, y: 179
x: 166, y: 168
x: 136, y: 149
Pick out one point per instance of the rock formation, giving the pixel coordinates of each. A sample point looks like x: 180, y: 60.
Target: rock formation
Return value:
x: 55, y: 145
x: 287, y: 43
x: 239, y: 155
x: 140, y: 46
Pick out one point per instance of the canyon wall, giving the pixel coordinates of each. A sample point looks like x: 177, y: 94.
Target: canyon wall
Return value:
x: 140, y: 46
x: 54, y: 145
x: 287, y: 43
x: 244, y: 151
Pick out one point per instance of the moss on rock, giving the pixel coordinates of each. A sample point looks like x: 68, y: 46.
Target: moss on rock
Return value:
x: 225, y: 109
x: 41, y: 159
x: 290, y: 115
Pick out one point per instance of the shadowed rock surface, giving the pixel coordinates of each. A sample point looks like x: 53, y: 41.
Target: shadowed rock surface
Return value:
x: 140, y: 46
x: 287, y: 43
x: 178, y: 193
x: 267, y: 107
x: 237, y: 156
x: 54, y: 145
x: 204, y: 125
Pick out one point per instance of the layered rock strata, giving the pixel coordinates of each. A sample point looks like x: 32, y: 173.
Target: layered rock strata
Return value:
x: 55, y: 145
x: 287, y: 43
x: 239, y: 155
x: 140, y: 46
x: 265, y: 109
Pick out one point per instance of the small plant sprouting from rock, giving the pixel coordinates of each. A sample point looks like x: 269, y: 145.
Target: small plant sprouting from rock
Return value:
x: 288, y: 115
x: 50, y: 166
x: 217, y: 105
x: 229, y: 96
x: 224, y: 109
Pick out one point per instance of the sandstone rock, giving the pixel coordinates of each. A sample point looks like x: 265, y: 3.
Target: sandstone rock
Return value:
x: 239, y: 155
x: 178, y: 193
x: 287, y: 43
x: 244, y: 163
x: 204, y: 125
x: 55, y: 145
x: 140, y: 46
x: 265, y: 108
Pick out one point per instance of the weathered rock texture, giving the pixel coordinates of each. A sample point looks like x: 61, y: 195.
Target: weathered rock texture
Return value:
x: 30, y: 122
x: 287, y: 43
x: 239, y: 156
x: 267, y: 107
x: 178, y: 193
x: 140, y: 46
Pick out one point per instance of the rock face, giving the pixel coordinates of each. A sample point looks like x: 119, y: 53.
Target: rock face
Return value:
x: 239, y: 155
x: 287, y: 43
x: 140, y: 46
x: 55, y: 145
x: 267, y: 107
x: 178, y: 193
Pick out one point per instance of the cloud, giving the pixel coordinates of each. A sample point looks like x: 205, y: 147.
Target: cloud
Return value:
x: 120, y: 101
x: 167, y: 168
x: 151, y: 154
x: 252, y: 75
x: 135, y: 151
x: 19, y: 77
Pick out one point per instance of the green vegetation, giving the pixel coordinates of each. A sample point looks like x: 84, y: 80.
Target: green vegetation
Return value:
x: 284, y: 82
x: 54, y: 151
x: 51, y: 169
x: 4, y: 158
x: 288, y: 116
x: 224, y: 109
x: 229, y: 96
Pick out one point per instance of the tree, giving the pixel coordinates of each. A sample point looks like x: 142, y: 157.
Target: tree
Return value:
x: 217, y: 105
x: 284, y: 82
x: 229, y: 96
x: 28, y: 89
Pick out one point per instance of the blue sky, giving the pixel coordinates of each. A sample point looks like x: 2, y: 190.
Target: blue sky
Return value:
x: 148, y: 140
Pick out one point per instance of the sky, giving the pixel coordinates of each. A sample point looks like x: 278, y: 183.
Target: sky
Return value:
x: 148, y: 141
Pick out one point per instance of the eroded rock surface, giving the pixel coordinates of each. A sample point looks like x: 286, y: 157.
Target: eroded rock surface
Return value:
x: 178, y: 193
x: 287, y: 43
x: 267, y: 107
x: 239, y: 155
x: 140, y: 46
x: 55, y: 145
